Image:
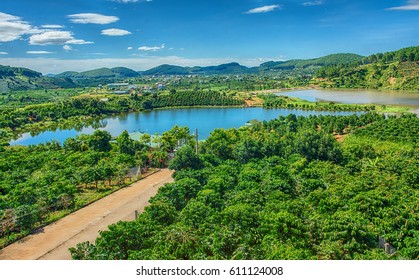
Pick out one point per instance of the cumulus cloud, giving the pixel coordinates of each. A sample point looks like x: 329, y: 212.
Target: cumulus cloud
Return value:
x: 312, y: 3
x: 13, y: 28
x: 115, y: 32
x: 264, y: 9
x: 52, y: 26
x: 153, y: 49
x: 67, y: 48
x: 411, y: 5
x: 85, y: 18
x: 129, y: 48
x: 38, y: 52
x: 4, y: 53
x: 55, y: 38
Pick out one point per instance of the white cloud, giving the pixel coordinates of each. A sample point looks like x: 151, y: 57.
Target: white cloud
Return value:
x: 411, y: 5
x: 67, y: 48
x: 129, y: 48
x: 153, y: 49
x: 13, y: 28
x: 264, y: 9
x: 52, y: 26
x: 55, y: 38
x: 115, y: 32
x: 85, y: 18
x: 4, y: 53
x: 38, y: 52
x: 312, y: 3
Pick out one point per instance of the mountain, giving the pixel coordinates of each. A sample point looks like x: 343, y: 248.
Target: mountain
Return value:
x: 308, y: 65
x: 223, y: 69
x: 17, y: 78
x: 101, y: 73
x: 397, y: 70
x: 333, y: 59
x: 166, y: 69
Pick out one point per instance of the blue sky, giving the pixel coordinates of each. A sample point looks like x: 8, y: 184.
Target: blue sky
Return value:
x: 61, y: 35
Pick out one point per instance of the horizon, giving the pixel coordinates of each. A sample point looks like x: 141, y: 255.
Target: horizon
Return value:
x: 55, y: 37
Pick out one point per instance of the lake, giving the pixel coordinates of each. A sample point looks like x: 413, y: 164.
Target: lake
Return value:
x: 357, y: 96
x: 158, y: 121
x: 207, y: 119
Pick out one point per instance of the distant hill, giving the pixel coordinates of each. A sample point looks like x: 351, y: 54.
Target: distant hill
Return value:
x: 101, y: 73
x: 333, y: 59
x: 17, y: 78
x: 397, y: 70
x: 391, y: 70
x: 310, y: 65
x: 223, y: 69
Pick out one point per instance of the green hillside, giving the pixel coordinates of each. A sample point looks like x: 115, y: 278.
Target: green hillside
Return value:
x: 333, y: 59
x: 397, y: 70
x: 101, y: 73
x: 17, y: 78
x: 308, y: 65
x: 223, y: 69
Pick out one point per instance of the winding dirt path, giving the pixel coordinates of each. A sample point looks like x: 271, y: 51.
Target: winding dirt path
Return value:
x: 52, y: 242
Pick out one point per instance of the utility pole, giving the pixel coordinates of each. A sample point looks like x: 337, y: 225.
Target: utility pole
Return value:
x: 196, y: 141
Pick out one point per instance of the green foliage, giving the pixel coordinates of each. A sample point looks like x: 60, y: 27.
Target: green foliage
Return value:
x: 190, y: 98
x: 101, y: 73
x: 185, y: 158
x: 285, y: 190
x: 392, y: 70
x: 38, y: 182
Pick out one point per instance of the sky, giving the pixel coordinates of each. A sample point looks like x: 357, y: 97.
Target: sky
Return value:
x: 78, y: 35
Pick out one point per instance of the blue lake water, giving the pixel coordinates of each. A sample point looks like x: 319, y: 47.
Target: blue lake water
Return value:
x: 357, y: 96
x: 207, y: 119
x: 158, y: 121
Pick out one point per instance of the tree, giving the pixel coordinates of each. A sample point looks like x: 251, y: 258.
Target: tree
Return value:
x: 185, y: 158
x: 100, y: 141
x: 125, y: 144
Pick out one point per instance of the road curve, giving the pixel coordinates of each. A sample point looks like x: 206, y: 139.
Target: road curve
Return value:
x: 52, y: 242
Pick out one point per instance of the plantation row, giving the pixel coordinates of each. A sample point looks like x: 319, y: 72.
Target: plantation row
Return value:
x: 284, y: 189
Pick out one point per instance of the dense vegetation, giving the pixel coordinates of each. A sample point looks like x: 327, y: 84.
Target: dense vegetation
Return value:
x: 191, y: 98
x: 274, y: 101
x: 333, y: 59
x: 17, y: 78
x: 39, y: 184
x: 101, y: 73
x: 397, y: 70
x: 284, y: 189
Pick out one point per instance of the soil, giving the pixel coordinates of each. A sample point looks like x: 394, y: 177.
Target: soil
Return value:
x: 53, y: 241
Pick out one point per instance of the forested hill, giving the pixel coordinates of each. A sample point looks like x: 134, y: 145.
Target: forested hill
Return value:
x: 17, y: 78
x: 333, y: 59
x: 397, y: 70
x: 101, y: 73
x: 306, y: 65
x: 223, y: 69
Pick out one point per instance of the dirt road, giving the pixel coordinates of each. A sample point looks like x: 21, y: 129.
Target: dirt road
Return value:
x: 53, y: 241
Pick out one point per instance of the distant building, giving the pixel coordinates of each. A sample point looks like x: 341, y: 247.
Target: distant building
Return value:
x: 121, y: 88
x: 160, y: 86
